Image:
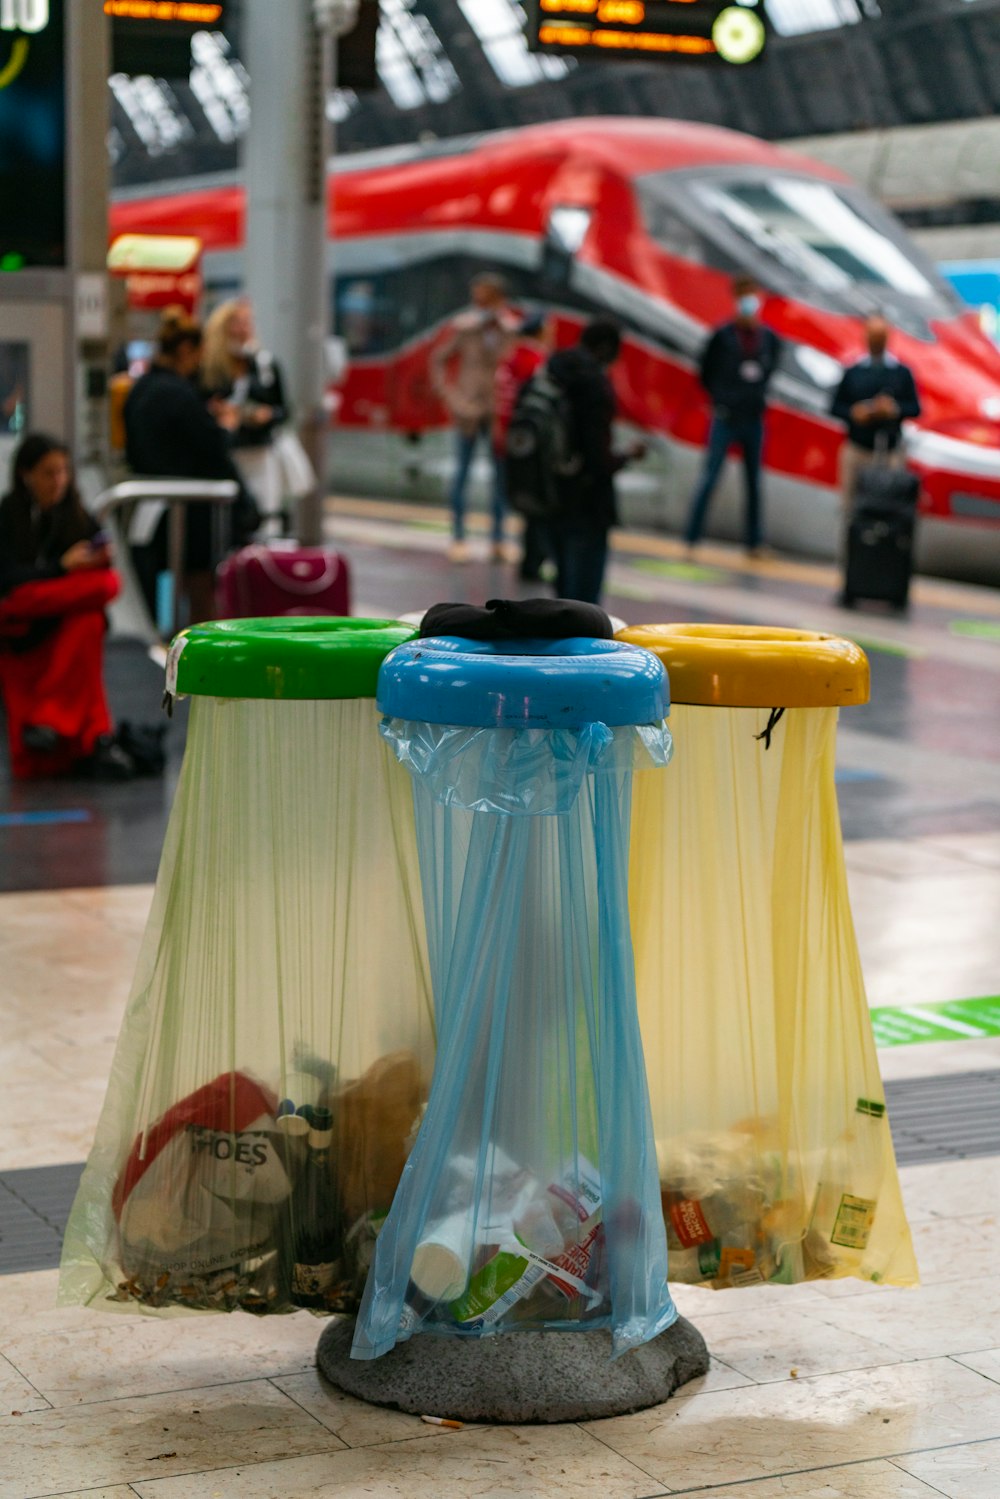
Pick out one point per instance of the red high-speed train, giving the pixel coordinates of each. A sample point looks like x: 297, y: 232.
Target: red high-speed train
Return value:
x: 646, y: 220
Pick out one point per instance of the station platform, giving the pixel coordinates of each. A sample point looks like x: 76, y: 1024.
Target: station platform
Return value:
x: 833, y: 1390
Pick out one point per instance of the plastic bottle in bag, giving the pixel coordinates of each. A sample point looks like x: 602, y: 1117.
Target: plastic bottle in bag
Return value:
x: 440, y: 1269
x: 316, y: 1217
x: 849, y: 1186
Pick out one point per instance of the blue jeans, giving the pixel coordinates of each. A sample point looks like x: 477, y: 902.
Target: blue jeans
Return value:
x: 581, y: 554
x: 465, y: 450
x: 748, y: 434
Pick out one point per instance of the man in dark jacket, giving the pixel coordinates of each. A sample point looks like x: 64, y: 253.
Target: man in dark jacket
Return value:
x: 169, y: 433
x: 874, y: 398
x: 736, y: 367
x: 579, y: 534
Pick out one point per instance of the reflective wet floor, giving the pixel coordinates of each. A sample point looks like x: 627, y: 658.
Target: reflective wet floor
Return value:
x: 831, y: 1391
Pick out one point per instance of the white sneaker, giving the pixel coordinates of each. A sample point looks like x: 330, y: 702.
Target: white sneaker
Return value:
x: 458, y: 551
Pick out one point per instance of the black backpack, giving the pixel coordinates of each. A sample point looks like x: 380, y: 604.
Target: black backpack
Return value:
x: 540, y: 448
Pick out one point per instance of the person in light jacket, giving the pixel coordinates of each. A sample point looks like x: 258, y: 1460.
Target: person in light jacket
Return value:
x: 463, y: 372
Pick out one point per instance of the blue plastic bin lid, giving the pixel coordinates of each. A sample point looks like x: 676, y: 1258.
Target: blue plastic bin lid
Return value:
x: 518, y: 684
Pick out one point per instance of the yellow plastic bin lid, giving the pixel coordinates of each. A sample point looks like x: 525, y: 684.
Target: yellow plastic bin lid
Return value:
x: 755, y: 666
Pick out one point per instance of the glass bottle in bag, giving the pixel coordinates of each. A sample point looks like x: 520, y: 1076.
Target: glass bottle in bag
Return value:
x: 317, y: 1267
x: 849, y: 1186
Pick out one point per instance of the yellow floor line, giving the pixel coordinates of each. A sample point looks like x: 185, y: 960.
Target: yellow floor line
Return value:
x: 962, y: 599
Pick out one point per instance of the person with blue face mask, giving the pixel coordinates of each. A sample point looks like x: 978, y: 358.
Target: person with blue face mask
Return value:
x: 736, y: 366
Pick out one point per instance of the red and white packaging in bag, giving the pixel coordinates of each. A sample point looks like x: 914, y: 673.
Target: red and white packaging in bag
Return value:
x: 199, y: 1201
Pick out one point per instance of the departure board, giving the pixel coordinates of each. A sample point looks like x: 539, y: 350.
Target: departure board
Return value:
x: 707, y: 31
x: 154, y: 36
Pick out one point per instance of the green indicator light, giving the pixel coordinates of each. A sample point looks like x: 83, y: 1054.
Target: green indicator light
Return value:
x: 12, y: 261
x: 739, y: 35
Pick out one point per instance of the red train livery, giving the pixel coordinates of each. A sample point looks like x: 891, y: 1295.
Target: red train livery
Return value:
x: 646, y: 220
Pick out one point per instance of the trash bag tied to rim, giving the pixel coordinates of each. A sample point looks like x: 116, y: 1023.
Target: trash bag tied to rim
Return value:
x: 776, y: 1159
x: 278, y: 1041
x: 530, y: 1200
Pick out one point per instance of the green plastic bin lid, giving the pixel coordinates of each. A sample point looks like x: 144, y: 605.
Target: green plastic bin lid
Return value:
x: 292, y: 658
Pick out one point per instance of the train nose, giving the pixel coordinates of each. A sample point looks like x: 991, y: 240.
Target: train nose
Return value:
x: 958, y: 461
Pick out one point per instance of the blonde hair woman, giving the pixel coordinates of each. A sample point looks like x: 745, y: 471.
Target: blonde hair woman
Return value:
x: 246, y: 395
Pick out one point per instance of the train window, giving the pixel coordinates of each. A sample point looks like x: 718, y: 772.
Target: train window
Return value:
x: 366, y: 313
x: 377, y: 313
x: 445, y: 284
x: 671, y: 232
x: 801, y: 236
x: 812, y: 230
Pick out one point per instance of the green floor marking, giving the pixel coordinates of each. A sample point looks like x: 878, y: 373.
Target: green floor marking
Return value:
x: 979, y: 629
x: 684, y: 572
x: 623, y: 590
x: 887, y: 647
x: 954, y: 1020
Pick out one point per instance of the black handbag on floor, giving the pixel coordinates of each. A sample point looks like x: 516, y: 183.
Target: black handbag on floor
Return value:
x: 143, y: 743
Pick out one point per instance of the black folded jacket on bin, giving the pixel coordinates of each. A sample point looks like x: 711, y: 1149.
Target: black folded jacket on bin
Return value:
x: 518, y: 619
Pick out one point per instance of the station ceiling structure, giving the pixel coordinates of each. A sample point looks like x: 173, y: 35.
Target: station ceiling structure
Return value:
x: 454, y: 67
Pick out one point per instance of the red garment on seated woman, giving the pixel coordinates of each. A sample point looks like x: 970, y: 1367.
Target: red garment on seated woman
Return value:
x: 58, y: 682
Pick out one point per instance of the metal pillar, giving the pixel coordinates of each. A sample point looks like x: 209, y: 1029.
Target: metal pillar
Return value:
x: 287, y: 145
x: 95, y: 312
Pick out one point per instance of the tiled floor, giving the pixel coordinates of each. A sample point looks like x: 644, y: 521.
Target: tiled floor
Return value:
x: 833, y: 1391
x: 848, y: 1391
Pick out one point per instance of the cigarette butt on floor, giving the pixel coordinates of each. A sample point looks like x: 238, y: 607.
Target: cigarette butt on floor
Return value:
x: 443, y: 1421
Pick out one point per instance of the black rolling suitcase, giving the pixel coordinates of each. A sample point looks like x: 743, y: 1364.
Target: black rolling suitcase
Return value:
x: 880, y: 536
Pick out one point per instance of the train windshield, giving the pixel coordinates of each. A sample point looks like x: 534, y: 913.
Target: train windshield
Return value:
x: 801, y: 236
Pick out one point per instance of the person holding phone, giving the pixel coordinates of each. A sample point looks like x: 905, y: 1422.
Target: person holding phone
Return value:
x: 873, y: 400
x: 589, y: 508
x: 56, y: 581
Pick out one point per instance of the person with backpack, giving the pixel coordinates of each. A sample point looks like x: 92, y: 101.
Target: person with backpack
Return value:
x: 562, y: 463
x: 532, y: 346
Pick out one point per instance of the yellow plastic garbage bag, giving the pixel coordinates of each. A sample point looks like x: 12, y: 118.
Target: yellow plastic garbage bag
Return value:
x: 278, y: 1042
x: 775, y: 1154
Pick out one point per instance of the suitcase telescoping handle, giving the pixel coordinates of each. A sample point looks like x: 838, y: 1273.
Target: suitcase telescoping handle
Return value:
x: 882, y: 450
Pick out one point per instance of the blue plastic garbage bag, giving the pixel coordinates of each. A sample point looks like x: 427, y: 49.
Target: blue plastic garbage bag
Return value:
x: 531, y: 1197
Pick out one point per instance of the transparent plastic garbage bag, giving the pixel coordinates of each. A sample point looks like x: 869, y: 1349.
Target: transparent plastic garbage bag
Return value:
x: 530, y: 1200
x: 279, y: 1038
x: 776, y: 1158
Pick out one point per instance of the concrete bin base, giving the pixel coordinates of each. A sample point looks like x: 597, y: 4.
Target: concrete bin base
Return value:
x: 524, y: 1377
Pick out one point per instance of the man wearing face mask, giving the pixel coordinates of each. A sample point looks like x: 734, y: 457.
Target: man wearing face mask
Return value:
x: 736, y: 366
x: 874, y: 398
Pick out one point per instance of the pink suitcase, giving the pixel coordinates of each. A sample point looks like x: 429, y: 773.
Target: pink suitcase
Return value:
x: 283, y: 578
